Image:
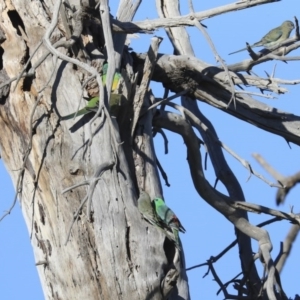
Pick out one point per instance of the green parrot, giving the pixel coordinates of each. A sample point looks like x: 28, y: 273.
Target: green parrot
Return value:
x: 116, y: 78
x: 147, y: 210
x: 115, y: 102
x: 92, y: 105
x: 168, y: 217
x: 273, y: 37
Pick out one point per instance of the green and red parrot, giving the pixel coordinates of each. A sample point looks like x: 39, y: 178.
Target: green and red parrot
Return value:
x: 147, y: 210
x: 274, y: 37
x: 92, y: 105
x: 168, y: 218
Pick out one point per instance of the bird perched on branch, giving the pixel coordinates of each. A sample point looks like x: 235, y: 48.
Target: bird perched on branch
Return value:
x: 273, y: 37
x: 169, y: 219
x: 92, y: 105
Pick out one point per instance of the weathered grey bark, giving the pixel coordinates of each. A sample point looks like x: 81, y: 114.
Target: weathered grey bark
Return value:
x: 112, y: 253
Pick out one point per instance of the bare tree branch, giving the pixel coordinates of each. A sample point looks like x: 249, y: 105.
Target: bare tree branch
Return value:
x: 286, y: 247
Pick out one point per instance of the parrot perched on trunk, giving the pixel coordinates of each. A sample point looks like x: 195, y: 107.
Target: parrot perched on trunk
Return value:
x: 92, y: 105
x: 146, y: 209
x: 273, y: 37
x: 148, y: 212
x: 168, y: 217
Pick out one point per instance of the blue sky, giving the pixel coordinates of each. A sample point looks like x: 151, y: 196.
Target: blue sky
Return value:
x: 208, y: 232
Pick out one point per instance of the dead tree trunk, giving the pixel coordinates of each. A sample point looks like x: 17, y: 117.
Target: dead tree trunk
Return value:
x: 89, y: 242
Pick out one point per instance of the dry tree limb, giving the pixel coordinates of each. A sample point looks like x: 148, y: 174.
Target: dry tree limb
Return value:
x: 168, y: 10
x: 286, y: 58
x: 241, y: 283
x: 255, y: 208
x: 197, y: 123
x: 162, y: 172
x: 193, y: 68
x: 215, y: 258
x: 276, y: 175
x: 206, y: 88
x: 255, y: 94
x: 105, y: 17
x: 144, y: 86
x: 270, y: 281
x: 283, y: 81
x: 126, y: 12
x: 75, y: 218
x: 166, y: 93
x: 220, y: 60
x: 143, y: 147
x: 164, y: 101
x: 180, y: 21
x: 164, y: 136
x: 286, y: 247
x: 222, y: 286
x: 287, y: 183
x: 232, y: 244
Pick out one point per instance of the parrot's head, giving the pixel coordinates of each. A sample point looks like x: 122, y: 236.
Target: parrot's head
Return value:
x: 158, y: 201
x: 288, y: 24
